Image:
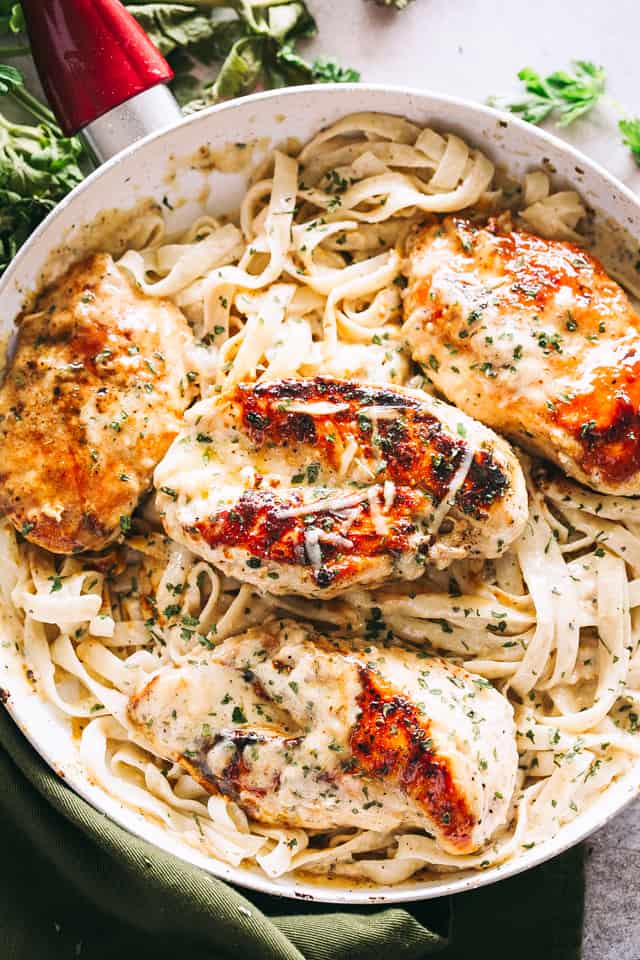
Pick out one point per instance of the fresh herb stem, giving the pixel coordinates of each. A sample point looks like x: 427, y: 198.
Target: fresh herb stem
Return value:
x: 568, y: 97
x: 14, y: 51
x: 35, y: 107
x: 38, y: 166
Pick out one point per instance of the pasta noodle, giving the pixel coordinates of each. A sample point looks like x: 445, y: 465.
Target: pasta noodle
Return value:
x: 306, y: 283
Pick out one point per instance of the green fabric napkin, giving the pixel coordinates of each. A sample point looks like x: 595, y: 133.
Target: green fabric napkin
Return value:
x: 76, y: 885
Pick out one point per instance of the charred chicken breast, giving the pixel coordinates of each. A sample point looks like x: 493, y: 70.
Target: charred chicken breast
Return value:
x: 531, y: 337
x: 314, y: 486
x: 303, y: 730
x: 89, y: 404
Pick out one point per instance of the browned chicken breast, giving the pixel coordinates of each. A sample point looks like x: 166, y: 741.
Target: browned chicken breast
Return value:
x: 305, y: 730
x: 531, y: 337
x: 89, y: 404
x: 314, y: 486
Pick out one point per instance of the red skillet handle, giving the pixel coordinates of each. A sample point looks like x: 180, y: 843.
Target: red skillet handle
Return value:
x: 92, y: 56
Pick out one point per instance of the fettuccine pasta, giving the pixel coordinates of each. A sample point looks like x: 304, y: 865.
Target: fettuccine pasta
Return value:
x: 307, y: 281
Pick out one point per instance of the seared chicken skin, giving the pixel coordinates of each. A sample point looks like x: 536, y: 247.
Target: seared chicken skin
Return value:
x: 303, y: 730
x: 534, y: 339
x: 314, y: 486
x: 89, y: 404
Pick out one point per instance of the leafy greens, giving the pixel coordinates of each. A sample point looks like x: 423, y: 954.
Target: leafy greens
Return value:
x: 254, y: 43
x: 38, y: 166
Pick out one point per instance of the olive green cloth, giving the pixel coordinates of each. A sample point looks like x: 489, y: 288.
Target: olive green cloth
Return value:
x: 76, y: 885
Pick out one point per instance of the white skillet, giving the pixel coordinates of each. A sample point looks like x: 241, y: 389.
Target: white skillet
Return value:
x: 151, y: 167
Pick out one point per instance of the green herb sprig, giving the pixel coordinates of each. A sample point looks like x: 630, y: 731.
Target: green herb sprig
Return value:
x: 630, y: 130
x: 327, y: 70
x: 566, y: 97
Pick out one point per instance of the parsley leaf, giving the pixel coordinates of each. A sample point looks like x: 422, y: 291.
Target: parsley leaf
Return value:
x: 567, y: 96
x: 238, y: 715
x: 172, y: 25
x: 327, y: 70
x: 630, y: 130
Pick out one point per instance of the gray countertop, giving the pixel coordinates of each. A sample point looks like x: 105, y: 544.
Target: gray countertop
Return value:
x: 473, y: 49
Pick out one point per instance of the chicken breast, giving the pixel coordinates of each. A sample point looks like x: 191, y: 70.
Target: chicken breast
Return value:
x: 89, y: 404
x: 534, y: 339
x: 313, y: 486
x: 304, y: 730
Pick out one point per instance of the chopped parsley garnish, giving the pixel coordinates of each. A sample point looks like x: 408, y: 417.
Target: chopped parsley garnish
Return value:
x: 587, y: 429
x: 313, y: 470
x: 548, y: 341
x: 257, y: 420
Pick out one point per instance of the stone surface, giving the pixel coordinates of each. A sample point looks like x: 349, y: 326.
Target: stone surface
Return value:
x: 612, y: 907
x: 473, y: 49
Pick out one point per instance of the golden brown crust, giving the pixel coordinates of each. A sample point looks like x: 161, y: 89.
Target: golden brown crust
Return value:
x: 546, y: 344
x: 391, y: 740
x: 420, y: 458
x: 89, y: 404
